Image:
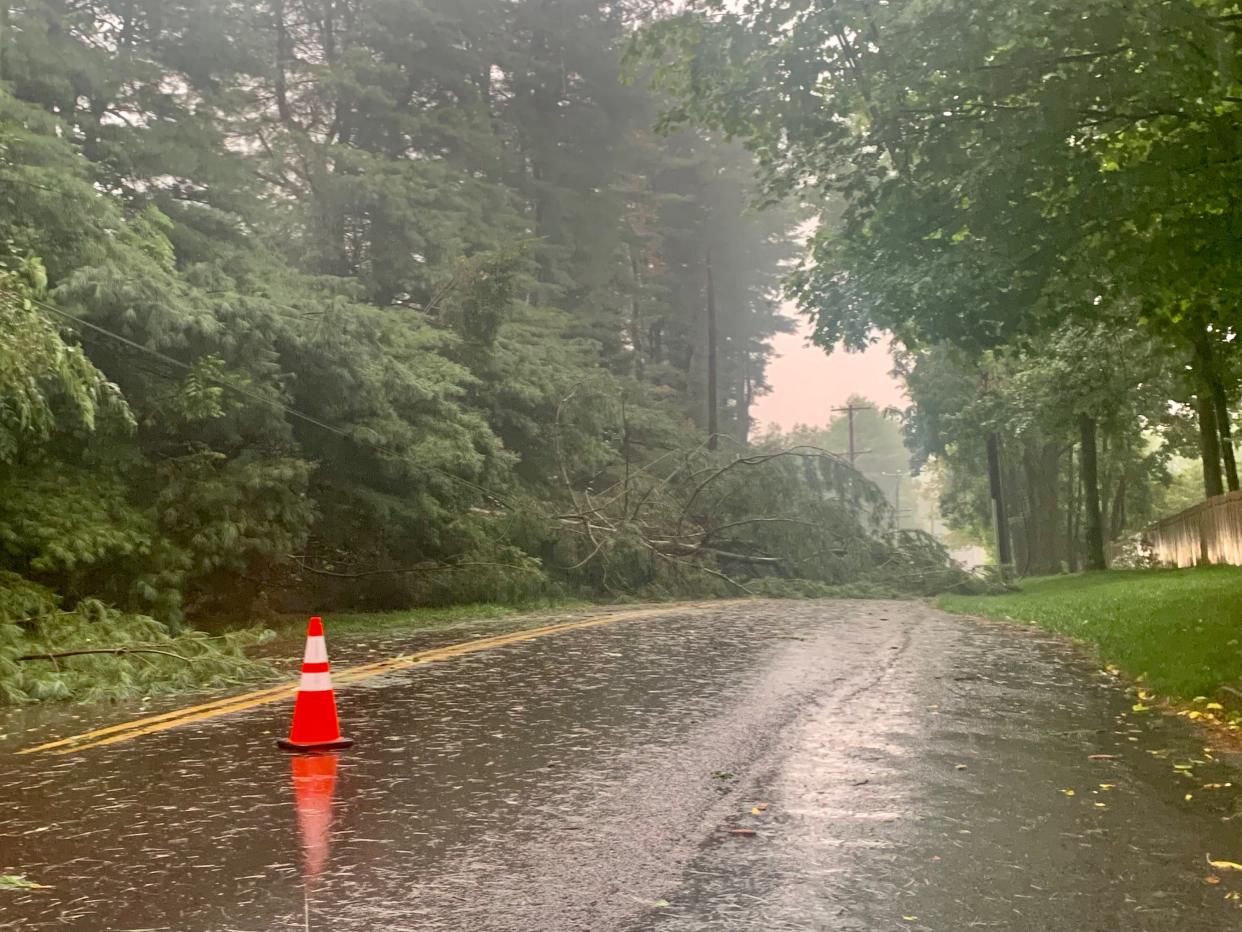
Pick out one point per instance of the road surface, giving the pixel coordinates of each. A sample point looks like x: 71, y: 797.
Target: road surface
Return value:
x: 899, y: 769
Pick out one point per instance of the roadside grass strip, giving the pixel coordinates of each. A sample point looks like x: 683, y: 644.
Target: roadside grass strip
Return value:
x: 1177, y: 631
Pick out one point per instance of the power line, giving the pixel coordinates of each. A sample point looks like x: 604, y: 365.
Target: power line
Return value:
x: 255, y: 397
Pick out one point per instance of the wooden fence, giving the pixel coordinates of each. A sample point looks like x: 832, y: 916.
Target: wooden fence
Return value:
x: 1210, y: 532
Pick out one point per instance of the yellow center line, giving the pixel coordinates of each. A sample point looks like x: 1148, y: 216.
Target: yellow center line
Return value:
x: 125, y: 731
x: 163, y: 717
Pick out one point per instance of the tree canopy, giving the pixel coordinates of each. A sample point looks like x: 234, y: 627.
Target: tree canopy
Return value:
x: 1011, y: 190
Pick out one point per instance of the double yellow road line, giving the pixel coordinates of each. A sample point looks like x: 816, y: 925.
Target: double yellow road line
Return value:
x: 125, y: 731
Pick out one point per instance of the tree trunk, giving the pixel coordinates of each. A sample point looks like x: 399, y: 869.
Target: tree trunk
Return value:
x: 1071, y: 516
x: 745, y: 397
x: 1050, y: 473
x: 1210, y: 428
x: 636, y: 311
x: 1221, y: 404
x: 1000, y: 515
x: 713, y: 412
x: 1104, y: 477
x: 1040, y: 463
x: 1030, y: 560
x: 282, y: 61
x: 1209, y: 446
x: 4, y: 40
x: 1117, y: 522
x: 1091, y: 494
x: 328, y: 30
x: 655, y: 341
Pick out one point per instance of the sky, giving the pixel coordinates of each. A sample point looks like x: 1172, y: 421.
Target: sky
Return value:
x: 807, y: 383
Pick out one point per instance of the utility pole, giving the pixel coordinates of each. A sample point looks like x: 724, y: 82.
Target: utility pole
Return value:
x: 849, y: 410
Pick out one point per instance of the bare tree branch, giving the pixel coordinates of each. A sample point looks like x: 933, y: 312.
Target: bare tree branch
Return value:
x: 419, y: 568
x: 52, y: 655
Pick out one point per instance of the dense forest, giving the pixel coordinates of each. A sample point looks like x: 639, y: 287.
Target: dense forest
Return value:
x: 316, y: 304
x: 1038, y: 201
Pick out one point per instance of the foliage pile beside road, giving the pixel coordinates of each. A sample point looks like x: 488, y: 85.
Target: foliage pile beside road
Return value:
x: 92, y: 651
x: 1177, y: 631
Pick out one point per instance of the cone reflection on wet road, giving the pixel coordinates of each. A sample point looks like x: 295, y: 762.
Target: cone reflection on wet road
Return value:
x: 314, y: 781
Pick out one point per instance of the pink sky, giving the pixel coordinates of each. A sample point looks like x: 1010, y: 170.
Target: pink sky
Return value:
x: 807, y: 383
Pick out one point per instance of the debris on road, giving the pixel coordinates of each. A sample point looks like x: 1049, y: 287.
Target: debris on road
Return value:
x: 18, y: 882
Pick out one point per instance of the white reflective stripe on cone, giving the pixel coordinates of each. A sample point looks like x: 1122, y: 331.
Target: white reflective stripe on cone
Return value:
x: 315, y: 682
x: 316, y: 650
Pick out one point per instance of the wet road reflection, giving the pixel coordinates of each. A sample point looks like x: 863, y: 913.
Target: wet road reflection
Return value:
x: 577, y: 782
x: 314, y: 781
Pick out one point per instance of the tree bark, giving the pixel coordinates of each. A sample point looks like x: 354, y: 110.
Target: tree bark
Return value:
x: 655, y: 341
x: 1210, y: 427
x: 1104, y: 478
x: 1221, y: 404
x: 1000, y: 515
x: 328, y: 28
x: 282, y: 61
x: 745, y: 398
x: 4, y: 40
x: 1040, y: 463
x: 1071, y: 516
x: 1209, y: 446
x: 713, y: 412
x: 1091, y: 494
x: 636, y: 311
x: 1117, y: 515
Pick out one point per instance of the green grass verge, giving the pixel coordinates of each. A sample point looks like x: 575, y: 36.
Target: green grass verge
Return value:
x: 419, y: 619
x: 1179, y: 630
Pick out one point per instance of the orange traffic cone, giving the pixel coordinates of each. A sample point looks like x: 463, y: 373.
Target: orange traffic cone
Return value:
x: 315, y: 725
x: 314, y: 779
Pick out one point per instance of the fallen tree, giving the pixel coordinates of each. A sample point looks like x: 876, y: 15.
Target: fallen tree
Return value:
x: 639, y: 516
x: 796, y: 520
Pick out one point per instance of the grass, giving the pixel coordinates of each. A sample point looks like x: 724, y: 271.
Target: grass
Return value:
x: 417, y: 619
x: 1178, y: 630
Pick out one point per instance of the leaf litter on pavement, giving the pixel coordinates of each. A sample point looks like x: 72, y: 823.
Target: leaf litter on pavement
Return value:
x: 19, y: 882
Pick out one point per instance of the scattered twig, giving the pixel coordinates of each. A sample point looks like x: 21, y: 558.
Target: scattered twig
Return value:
x: 418, y: 568
x: 704, y: 569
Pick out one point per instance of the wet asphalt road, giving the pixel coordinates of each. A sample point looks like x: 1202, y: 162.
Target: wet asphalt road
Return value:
x: 910, y: 770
